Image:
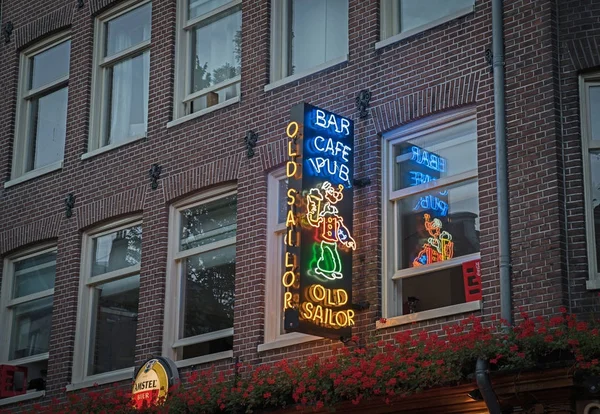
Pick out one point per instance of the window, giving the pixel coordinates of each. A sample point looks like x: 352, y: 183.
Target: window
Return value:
x: 41, y: 121
x: 26, y: 316
x: 109, y: 297
x: 407, y: 17
x: 307, y: 35
x: 275, y: 335
x: 121, y: 75
x: 209, y: 54
x: 431, y: 217
x: 200, y: 292
x: 590, y: 134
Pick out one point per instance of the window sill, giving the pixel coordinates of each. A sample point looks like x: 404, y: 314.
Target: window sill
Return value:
x: 404, y: 35
x: 23, y: 397
x: 100, y: 379
x: 300, y: 75
x: 204, y: 359
x: 111, y: 147
x: 592, y: 284
x: 205, y: 111
x: 34, y: 174
x: 430, y: 314
x: 287, y: 340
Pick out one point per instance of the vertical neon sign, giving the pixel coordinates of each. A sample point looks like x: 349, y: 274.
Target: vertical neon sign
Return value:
x: 317, y: 274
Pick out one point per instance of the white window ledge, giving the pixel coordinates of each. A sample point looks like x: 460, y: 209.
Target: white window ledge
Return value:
x: 404, y: 35
x: 35, y: 173
x: 29, y: 395
x: 430, y: 314
x: 101, y: 379
x: 287, y: 340
x: 592, y: 284
x: 204, y: 359
x: 300, y: 75
x: 204, y: 111
x: 111, y: 147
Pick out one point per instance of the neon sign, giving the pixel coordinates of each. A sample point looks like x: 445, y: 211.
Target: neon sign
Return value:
x: 317, y: 275
x: 439, y: 245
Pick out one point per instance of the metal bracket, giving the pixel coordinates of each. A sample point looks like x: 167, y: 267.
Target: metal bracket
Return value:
x: 79, y: 4
x: 154, y: 174
x: 361, y: 306
x: 250, y: 139
x: 361, y: 182
x: 362, y: 103
x: 489, y: 58
x: 7, y: 31
x: 69, y: 204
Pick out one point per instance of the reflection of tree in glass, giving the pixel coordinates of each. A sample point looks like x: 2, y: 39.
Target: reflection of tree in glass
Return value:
x: 208, y: 223
x: 203, y: 78
x: 134, y: 245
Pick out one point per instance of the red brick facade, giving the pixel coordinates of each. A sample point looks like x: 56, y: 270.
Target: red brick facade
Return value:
x: 547, y: 44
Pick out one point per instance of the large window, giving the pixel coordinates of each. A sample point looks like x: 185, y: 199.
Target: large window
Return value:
x: 402, y: 18
x: 200, y: 291
x: 121, y: 76
x: 275, y: 334
x: 590, y: 135
x: 109, y: 297
x: 209, y: 54
x: 307, y: 35
x: 26, y: 312
x: 42, y: 108
x: 431, y: 217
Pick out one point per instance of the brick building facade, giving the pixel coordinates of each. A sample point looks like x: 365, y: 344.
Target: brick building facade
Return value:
x: 425, y: 74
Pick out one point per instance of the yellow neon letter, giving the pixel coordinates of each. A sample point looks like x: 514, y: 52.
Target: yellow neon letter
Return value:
x: 291, y: 220
x: 287, y: 300
x: 288, y: 279
x: 292, y: 197
x: 292, y: 129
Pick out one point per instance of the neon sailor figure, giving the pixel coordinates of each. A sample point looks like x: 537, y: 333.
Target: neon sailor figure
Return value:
x: 439, y: 246
x: 330, y: 229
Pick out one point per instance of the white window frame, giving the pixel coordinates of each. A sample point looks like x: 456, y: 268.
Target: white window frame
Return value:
x: 99, y: 88
x: 391, y: 300
x: 273, y: 338
x: 183, y: 62
x: 280, y: 43
x: 22, y: 143
x: 390, y: 25
x: 588, y: 145
x: 6, y: 302
x: 85, y: 311
x: 174, y: 293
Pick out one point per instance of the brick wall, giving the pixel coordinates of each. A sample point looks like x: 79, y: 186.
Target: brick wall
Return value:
x: 437, y: 70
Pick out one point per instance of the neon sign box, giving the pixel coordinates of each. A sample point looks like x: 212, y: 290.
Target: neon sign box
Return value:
x: 317, y: 275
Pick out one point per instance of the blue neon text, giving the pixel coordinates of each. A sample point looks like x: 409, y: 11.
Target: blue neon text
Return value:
x: 428, y: 159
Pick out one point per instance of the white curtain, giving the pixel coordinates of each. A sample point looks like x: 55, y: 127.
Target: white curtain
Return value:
x: 120, y: 110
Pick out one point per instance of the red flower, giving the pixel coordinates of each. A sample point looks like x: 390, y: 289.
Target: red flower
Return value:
x: 267, y: 395
x: 383, y: 320
x: 562, y: 310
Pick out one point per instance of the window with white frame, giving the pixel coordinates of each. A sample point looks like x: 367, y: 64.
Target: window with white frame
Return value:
x: 201, y: 286
x: 121, y: 75
x: 431, y: 213
x: 590, y: 135
x: 41, y: 121
x: 405, y: 17
x: 108, y: 300
x: 209, y: 52
x: 307, y: 35
x: 26, y: 311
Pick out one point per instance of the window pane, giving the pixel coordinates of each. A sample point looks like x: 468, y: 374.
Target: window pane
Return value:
x: 417, y: 13
x: 128, y: 98
x: 319, y: 32
x: 208, y: 223
x: 114, y: 326
x: 128, y: 30
x: 216, y: 51
x: 199, y: 7
x: 215, y: 97
x: 594, y: 93
x: 206, y: 348
x: 435, y: 155
x: 282, y: 201
x: 209, y: 291
x: 50, y: 65
x: 35, y: 274
x: 31, y: 323
x: 117, y: 250
x: 595, y: 195
x: 438, y: 225
x: 417, y: 294
x: 49, y: 128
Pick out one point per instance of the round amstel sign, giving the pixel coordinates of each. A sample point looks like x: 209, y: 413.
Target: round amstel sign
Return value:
x: 152, y: 382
